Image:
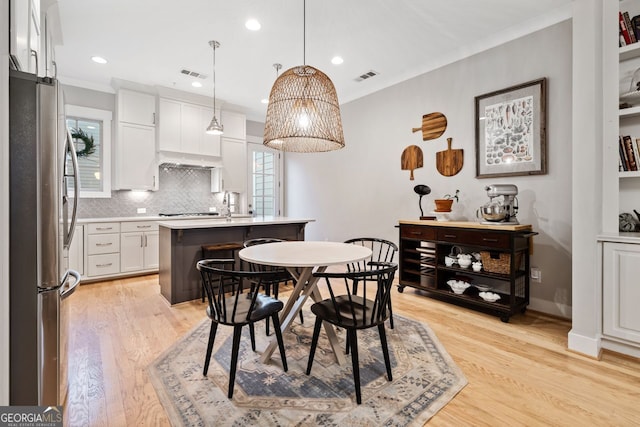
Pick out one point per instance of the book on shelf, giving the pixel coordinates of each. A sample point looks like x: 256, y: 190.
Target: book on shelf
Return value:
x: 623, y: 29
x: 628, y: 146
x: 623, y: 154
x: 627, y: 23
x: 635, y: 26
x: 636, y: 151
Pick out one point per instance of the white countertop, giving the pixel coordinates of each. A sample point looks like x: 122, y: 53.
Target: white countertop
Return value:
x: 155, y: 218
x: 235, y: 222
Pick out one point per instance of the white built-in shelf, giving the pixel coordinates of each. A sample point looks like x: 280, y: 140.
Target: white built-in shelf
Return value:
x: 630, y: 112
x: 630, y: 51
x: 629, y: 174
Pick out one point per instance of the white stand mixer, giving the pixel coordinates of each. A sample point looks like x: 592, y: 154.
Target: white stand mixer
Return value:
x: 502, y: 207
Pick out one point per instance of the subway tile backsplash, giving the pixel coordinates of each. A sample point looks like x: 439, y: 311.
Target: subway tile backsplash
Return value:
x: 180, y: 190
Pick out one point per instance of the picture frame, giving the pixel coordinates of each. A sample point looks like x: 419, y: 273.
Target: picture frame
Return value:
x: 511, y: 131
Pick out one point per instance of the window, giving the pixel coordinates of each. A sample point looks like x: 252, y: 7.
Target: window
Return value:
x: 91, y: 132
x: 265, y: 180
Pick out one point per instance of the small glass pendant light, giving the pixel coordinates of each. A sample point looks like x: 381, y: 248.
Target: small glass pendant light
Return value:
x: 215, y: 128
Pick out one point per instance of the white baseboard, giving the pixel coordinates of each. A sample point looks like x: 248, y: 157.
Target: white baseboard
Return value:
x: 586, y: 345
x: 621, y: 347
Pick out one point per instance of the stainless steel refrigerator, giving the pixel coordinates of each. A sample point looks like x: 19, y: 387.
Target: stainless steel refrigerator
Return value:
x: 43, y: 167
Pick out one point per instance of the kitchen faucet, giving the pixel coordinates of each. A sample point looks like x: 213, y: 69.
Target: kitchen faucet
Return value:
x: 227, y: 203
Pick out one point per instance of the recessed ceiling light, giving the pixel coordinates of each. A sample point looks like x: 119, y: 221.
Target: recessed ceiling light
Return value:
x: 99, y: 59
x: 264, y: 101
x: 252, y: 24
x: 196, y: 84
x: 337, y: 60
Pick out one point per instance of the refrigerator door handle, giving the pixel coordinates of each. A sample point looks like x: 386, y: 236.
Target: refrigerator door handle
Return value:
x: 76, y: 188
x: 66, y: 291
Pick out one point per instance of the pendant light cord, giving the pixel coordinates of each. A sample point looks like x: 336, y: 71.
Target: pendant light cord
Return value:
x: 304, y: 32
x: 214, y: 79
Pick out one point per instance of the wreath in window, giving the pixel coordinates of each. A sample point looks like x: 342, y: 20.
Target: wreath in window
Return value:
x: 89, y: 146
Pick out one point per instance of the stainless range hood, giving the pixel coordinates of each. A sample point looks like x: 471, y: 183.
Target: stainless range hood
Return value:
x: 192, y: 161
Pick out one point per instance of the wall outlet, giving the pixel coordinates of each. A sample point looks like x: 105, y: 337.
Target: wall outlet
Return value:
x: 536, y: 274
x: 142, y: 210
x: 212, y: 209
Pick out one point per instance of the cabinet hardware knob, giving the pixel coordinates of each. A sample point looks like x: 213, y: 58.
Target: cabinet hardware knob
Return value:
x: 489, y: 240
x: 109, y: 264
x: 103, y: 228
x: 450, y: 236
x: 104, y: 244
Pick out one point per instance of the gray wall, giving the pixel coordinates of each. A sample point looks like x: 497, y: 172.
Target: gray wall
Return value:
x: 361, y: 190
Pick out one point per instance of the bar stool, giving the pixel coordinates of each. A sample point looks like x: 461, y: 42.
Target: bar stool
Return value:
x: 219, y: 250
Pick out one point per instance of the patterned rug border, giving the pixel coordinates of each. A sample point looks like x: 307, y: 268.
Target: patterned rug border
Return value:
x: 176, y: 418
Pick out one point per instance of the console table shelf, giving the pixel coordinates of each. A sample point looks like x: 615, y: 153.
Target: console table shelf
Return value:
x: 425, y: 244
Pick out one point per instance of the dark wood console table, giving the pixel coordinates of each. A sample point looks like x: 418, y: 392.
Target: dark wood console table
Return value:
x: 425, y: 244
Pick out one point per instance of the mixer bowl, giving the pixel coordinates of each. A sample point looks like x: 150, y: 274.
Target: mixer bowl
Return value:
x: 493, y: 212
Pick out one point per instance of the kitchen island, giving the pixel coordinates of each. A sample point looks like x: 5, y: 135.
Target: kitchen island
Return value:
x: 181, y: 247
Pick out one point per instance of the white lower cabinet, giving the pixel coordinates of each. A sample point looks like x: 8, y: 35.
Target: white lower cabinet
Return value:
x: 621, y: 291
x: 138, y: 248
x: 103, y: 249
x: 115, y: 249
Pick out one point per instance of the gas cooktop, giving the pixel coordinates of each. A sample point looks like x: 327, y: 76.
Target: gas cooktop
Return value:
x: 190, y: 214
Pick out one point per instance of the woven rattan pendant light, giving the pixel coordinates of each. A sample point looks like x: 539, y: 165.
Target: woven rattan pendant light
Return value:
x: 303, y: 113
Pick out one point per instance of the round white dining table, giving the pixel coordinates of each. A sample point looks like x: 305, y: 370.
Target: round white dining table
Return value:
x: 301, y: 259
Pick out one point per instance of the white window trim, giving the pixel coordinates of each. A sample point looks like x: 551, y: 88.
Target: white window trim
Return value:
x: 105, y: 117
x: 254, y: 143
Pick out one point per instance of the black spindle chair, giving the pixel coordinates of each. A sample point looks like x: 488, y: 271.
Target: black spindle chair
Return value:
x: 352, y: 312
x: 237, y: 308
x: 381, y: 251
x: 281, y: 275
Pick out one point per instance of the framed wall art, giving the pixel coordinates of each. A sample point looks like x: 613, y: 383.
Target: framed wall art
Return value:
x: 511, y: 131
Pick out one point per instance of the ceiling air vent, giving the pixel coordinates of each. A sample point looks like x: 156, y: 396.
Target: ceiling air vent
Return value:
x: 367, y: 75
x: 193, y: 73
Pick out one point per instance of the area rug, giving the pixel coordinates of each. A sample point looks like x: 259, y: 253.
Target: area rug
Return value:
x: 425, y: 379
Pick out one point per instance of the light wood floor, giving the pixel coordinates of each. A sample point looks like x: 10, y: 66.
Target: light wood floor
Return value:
x: 519, y: 373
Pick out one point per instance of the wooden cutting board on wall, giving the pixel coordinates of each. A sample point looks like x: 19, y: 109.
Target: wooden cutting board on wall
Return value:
x: 449, y: 162
x: 412, y: 158
x: 433, y: 126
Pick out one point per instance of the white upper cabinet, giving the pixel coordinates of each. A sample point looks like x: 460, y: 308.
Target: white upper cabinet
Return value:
x: 182, y: 127
x: 136, y: 107
x: 136, y: 163
x: 233, y: 175
x: 25, y: 29
x: 136, y: 166
x: 235, y: 125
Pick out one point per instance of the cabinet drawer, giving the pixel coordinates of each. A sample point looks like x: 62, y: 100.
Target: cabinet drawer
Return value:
x: 127, y: 227
x: 417, y: 232
x: 100, y: 265
x: 454, y: 235
x: 103, y: 227
x: 103, y: 243
x: 476, y: 238
x: 493, y: 240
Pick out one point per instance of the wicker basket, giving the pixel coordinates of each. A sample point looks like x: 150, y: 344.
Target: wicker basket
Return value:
x: 498, y: 262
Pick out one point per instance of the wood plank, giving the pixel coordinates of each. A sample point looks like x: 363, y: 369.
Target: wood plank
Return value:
x: 520, y: 373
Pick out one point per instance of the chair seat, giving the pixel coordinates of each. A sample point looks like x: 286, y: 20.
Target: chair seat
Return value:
x: 325, y: 310
x: 265, y: 306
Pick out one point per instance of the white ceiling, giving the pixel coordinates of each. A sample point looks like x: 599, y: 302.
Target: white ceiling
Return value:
x: 150, y: 41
